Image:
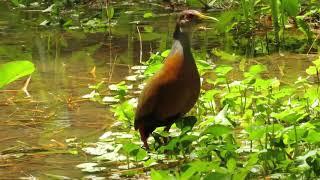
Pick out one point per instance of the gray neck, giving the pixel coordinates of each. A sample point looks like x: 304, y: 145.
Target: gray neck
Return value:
x: 182, y: 40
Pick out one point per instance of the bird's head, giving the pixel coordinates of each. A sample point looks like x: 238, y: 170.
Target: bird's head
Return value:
x: 188, y: 18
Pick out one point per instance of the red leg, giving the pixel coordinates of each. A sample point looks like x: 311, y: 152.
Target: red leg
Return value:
x: 144, y: 137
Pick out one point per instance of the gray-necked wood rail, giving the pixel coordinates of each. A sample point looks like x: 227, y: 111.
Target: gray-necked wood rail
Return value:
x: 174, y: 90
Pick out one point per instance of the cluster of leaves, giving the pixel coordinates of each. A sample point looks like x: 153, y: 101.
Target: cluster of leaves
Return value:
x: 249, y: 128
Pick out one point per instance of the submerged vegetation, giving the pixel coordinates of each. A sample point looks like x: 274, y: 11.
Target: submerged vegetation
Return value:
x: 250, y: 122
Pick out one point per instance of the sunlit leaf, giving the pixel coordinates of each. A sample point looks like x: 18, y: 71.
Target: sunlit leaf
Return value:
x: 14, y: 70
x: 290, y: 115
x: 225, y: 56
x: 223, y: 70
x: 165, y: 53
x: 148, y: 15
x: 218, y: 130
x: 312, y: 70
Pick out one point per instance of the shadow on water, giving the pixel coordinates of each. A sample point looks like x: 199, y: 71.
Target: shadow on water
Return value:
x: 55, y: 111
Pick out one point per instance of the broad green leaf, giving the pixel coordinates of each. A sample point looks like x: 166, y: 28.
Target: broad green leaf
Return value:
x: 257, y: 69
x: 140, y: 154
x: 231, y: 164
x: 148, y: 15
x: 160, y: 175
x: 313, y: 137
x: 290, y: 115
x: 14, y: 70
x: 218, y: 176
x: 185, y: 124
x: 197, y: 167
x: 223, y: 70
x: 130, y: 147
x: 317, y: 63
x: 225, y: 55
x: 218, y: 130
x: 312, y: 70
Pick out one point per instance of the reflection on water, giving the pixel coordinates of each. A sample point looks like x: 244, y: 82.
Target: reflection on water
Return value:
x: 55, y: 111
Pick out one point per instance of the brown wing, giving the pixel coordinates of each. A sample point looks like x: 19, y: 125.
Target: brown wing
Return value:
x: 167, y: 93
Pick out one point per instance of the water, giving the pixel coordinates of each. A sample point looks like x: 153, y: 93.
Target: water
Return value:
x: 63, y: 58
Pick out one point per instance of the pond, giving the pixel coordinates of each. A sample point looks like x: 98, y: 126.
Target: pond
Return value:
x: 67, y: 62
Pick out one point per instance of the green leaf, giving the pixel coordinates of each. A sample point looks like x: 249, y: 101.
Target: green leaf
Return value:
x: 223, y: 70
x: 313, y: 137
x: 305, y: 28
x: 257, y: 69
x: 317, y: 62
x: 185, y: 124
x: 148, y: 15
x: 231, y: 164
x: 110, y: 12
x: 129, y: 147
x: 165, y: 53
x: 14, y: 70
x: 312, y: 70
x: 216, y: 175
x: 290, y: 115
x: 225, y: 55
x: 292, y: 7
x: 226, y: 21
x: 197, y: 167
x: 140, y: 154
x: 218, y: 130
x: 160, y: 175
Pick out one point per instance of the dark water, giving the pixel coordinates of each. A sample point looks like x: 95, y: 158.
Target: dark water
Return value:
x: 64, y: 58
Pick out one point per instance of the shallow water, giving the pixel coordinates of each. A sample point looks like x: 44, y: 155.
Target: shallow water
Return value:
x: 55, y: 111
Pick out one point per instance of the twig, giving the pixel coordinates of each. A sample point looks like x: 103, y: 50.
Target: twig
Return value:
x: 111, y: 70
x: 25, y: 87
x: 313, y: 43
x: 93, y: 72
x: 140, y: 41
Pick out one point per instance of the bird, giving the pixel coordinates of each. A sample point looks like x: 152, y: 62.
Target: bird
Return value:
x: 172, y: 91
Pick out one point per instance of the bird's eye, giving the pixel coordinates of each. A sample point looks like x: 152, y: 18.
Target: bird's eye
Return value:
x: 189, y: 16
